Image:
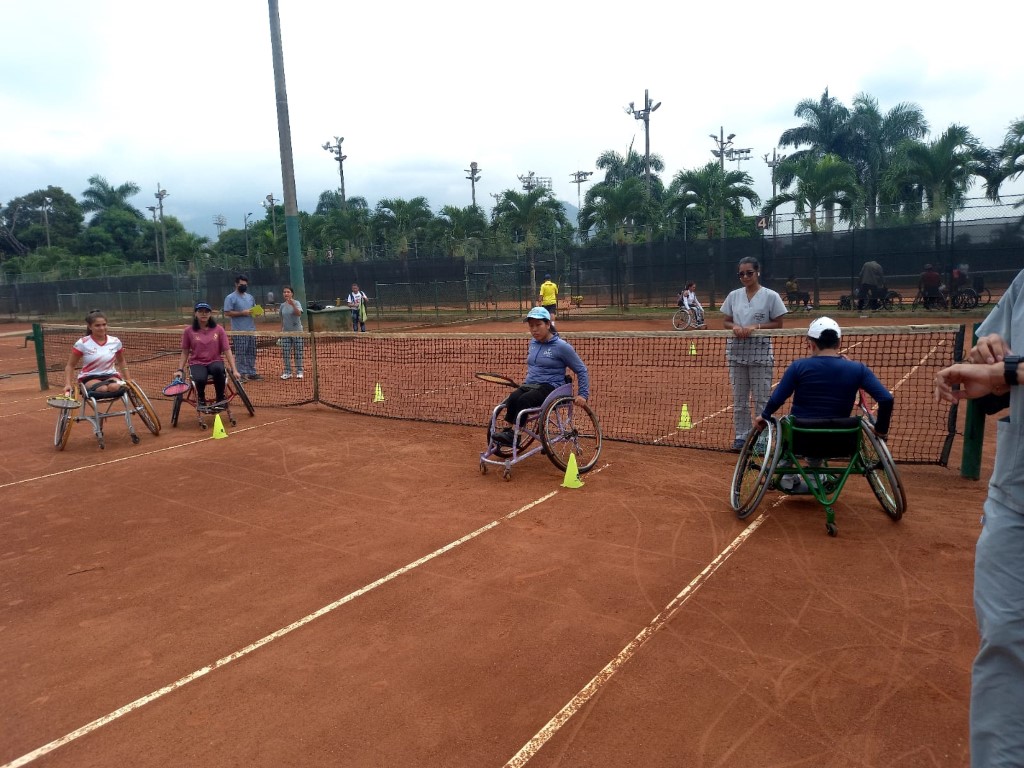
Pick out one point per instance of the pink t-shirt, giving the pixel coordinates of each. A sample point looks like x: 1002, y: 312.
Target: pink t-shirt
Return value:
x: 98, y: 359
x: 205, y: 345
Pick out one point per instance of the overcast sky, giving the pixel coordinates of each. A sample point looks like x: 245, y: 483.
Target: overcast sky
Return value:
x: 182, y: 93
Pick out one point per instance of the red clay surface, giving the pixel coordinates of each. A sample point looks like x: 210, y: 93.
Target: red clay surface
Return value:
x: 688, y: 637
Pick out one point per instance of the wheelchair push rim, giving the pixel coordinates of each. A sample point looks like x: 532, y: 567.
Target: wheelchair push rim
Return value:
x: 569, y: 429
x: 754, y: 468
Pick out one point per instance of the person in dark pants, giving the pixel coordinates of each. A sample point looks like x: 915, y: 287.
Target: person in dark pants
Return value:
x: 872, y: 285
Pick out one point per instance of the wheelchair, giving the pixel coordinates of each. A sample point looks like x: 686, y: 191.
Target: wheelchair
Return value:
x: 558, y: 428
x: 684, y: 318
x: 809, y: 449
x: 97, y: 407
x: 232, y: 389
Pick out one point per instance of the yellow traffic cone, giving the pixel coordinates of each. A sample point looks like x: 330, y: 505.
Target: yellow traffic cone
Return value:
x: 378, y: 395
x: 693, y: 348
x: 572, y: 474
x: 684, y: 419
x: 218, y: 428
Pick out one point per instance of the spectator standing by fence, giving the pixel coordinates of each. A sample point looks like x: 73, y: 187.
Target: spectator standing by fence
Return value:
x: 930, y: 287
x: 238, y: 309
x: 357, y: 303
x: 549, y: 296
x: 872, y: 285
x: 291, y: 322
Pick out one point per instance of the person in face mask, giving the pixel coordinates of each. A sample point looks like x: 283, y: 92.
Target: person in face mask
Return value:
x: 238, y: 308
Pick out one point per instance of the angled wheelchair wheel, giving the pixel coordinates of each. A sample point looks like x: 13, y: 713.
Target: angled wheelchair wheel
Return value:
x: 176, y: 409
x: 755, y: 468
x: 882, y: 475
x: 240, y: 391
x: 845, y: 302
x: 681, y: 320
x: 892, y: 301
x: 65, y: 420
x: 144, y: 408
x: 569, y: 429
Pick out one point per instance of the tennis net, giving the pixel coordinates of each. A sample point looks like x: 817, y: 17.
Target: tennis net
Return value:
x: 661, y: 388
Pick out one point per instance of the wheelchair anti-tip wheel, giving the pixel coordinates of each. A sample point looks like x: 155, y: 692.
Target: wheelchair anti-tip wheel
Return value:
x: 568, y: 428
x: 754, y: 468
x: 881, y: 474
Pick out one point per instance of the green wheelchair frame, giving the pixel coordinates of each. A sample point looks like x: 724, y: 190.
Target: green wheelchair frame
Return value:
x: 810, y: 448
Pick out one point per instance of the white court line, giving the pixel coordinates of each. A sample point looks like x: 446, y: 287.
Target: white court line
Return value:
x: 234, y: 431
x: 664, y: 616
x: 225, y: 660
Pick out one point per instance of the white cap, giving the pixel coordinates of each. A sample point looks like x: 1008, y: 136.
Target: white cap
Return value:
x: 823, y: 324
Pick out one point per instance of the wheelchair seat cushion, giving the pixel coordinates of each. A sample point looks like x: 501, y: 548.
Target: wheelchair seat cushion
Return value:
x: 826, y: 444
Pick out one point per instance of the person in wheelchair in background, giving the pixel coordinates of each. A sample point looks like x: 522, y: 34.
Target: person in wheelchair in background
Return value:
x: 826, y: 384
x: 203, y: 344
x: 100, y: 355
x: 547, y: 357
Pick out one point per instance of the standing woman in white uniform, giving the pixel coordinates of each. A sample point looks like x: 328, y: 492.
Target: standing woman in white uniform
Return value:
x: 752, y: 307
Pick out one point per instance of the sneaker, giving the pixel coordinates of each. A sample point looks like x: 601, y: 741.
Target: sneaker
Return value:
x: 254, y: 377
x: 288, y: 375
x: 298, y: 375
x: 738, y: 443
x: 503, y: 436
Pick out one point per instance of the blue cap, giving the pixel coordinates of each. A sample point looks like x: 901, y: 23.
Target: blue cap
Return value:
x: 538, y: 313
x: 202, y: 305
x: 547, y: 277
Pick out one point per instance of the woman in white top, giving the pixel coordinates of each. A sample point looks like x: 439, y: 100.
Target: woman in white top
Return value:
x: 751, y: 359
x: 100, y: 356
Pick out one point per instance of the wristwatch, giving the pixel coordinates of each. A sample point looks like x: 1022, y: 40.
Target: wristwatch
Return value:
x: 1010, y: 363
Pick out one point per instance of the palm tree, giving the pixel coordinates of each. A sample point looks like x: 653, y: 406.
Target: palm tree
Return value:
x: 618, y: 168
x: 399, y: 220
x: 100, y: 197
x: 938, y: 173
x: 819, y: 183
x: 876, y: 137
x: 1006, y: 162
x: 522, y: 213
x: 706, y: 191
x: 465, y: 228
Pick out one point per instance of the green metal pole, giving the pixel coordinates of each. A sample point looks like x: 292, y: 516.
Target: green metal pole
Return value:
x: 37, y: 339
x: 974, y: 433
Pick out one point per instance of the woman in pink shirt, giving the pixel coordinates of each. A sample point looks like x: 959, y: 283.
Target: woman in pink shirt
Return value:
x: 203, y: 344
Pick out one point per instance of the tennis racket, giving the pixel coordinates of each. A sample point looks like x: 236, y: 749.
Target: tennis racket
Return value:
x: 257, y: 311
x: 64, y: 402
x: 177, y: 387
x: 497, y: 378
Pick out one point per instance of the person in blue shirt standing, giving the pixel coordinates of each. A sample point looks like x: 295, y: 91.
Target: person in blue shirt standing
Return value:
x: 546, y: 360
x: 238, y: 308
x: 825, y: 385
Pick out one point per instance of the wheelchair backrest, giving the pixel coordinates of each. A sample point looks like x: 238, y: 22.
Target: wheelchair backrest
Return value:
x: 825, y: 438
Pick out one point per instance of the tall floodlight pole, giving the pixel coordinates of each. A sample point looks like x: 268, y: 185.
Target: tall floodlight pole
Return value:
x: 773, y: 164
x: 245, y: 223
x: 722, y: 142
x: 335, y: 149
x: 47, y: 201
x: 270, y: 203
x: 284, y: 133
x: 160, y: 194
x: 156, y: 233
x: 579, y: 178
x: 644, y: 114
x: 474, y: 177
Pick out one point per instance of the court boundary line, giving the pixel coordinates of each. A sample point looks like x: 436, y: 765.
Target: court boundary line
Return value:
x: 279, y: 633
x: 234, y: 431
x: 587, y: 692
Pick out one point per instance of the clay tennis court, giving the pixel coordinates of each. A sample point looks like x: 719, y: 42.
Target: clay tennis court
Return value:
x: 322, y: 588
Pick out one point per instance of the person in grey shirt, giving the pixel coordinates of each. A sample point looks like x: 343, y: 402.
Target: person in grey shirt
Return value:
x: 872, y: 285
x: 751, y: 359
x: 994, y: 377
x: 291, y: 322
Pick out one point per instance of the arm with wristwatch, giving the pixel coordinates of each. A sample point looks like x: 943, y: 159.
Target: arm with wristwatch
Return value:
x: 989, y: 375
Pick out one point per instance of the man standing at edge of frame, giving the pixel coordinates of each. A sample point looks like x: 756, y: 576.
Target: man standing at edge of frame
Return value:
x: 992, y: 376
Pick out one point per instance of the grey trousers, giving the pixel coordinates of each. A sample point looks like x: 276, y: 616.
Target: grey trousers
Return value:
x: 748, y: 381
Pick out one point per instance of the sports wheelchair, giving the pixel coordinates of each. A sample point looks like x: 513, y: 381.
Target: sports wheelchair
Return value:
x: 232, y: 389
x: 558, y: 428
x: 684, y: 318
x: 808, y: 448
x: 96, y: 407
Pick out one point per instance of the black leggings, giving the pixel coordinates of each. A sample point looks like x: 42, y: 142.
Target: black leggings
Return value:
x: 200, y: 375
x: 527, y: 396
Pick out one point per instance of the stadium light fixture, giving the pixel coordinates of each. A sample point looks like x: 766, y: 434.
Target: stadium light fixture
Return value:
x: 335, y: 149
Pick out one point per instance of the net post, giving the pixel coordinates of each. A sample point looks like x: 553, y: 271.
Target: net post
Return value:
x: 974, y: 433
x: 37, y: 339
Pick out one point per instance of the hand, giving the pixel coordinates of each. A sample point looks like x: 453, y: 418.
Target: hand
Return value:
x: 580, y: 400
x: 759, y: 423
x: 741, y: 331
x: 975, y: 380
x: 989, y: 349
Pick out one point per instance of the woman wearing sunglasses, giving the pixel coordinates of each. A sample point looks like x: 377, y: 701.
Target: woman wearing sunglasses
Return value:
x: 749, y: 308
